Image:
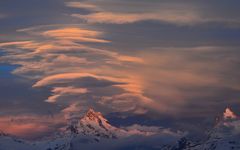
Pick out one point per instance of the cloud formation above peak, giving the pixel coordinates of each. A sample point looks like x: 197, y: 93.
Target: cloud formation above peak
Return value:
x: 73, y: 68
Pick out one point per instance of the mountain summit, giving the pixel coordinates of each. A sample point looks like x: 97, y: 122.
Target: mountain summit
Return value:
x: 96, y: 118
x: 94, y: 124
x: 229, y: 114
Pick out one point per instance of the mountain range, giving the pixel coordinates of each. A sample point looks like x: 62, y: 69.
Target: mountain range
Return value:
x: 93, y: 131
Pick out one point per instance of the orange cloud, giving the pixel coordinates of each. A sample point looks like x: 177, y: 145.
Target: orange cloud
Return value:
x: 59, y: 58
x: 28, y: 126
x: 62, y: 78
x: 61, y: 91
x: 101, y: 14
x: 129, y: 84
x: 18, y: 43
x: 130, y: 59
x: 23, y: 130
x: 75, y: 34
x: 124, y: 12
x: 81, y: 5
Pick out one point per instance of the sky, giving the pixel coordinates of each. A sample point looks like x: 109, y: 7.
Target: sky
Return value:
x: 152, y: 62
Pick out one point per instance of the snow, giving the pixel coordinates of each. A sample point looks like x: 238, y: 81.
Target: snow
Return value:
x: 93, y: 131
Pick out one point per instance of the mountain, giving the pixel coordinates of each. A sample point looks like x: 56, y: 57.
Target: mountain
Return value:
x: 93, y: 131
x: 224, y: 136
x: 94, y: 124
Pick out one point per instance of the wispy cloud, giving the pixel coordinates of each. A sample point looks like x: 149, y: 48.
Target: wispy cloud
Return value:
x: 75, y: 34
x: 125, y: 18
x: 62, y: 91
x: 30, y: 126
x: 101, y: 14
x: 66, y: 77
x: 82, y: 5
x: 133, y: 57
x: 122, y: 12
x: 130, y: 102
x: 66, y: 62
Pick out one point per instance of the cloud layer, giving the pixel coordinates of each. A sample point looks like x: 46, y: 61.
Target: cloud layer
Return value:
x: 75, y: 70
x: 175, y: 12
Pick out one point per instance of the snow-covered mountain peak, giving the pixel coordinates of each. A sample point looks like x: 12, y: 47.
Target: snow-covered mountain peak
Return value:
x: 94, y: 124
x: 226, y: 124
x: 223, y: 136
x: 229, y: 114
x: 97, y: 117
x: 92, y: 112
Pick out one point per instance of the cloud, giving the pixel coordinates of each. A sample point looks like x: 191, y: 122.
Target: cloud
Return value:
x: 122, y: 12
x: 75, y: 34
x: 123, y: 103
x: 102, y: 14
x: 130, y: 102
x: 68, y: 77
x: 74, y: 110
x: 81, y: 5
x: 17, y: 43
x: 61, y: 48
x: 30, y: 126
x: 72, y: 69
x: 76, y: 57
x: 180, y: 77
x: 88, y: 80
x: 158, y: 79
x: 61, y: 91
x: 110, y: 55
x: 125, y: 18
x: 152, y: 130
x: 125, y: 58
x: 66, y: 40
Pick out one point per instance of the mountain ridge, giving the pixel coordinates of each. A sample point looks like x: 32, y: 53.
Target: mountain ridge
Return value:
x: 94, y: 131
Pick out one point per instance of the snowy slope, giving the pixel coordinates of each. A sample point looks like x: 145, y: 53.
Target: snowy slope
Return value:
x: 11, y: 143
